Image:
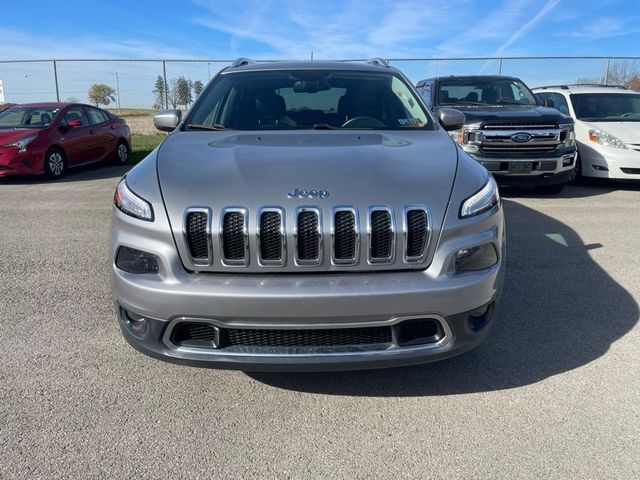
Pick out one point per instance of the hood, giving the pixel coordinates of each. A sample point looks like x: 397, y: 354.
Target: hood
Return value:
x: 511, y: 114
x: 254, y: 170
x: 628, y: 132
x: 11, y: 135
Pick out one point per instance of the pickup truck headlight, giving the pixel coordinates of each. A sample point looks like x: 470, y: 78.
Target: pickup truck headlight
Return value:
x: 128, y: 202
x: 22, y: 143
x: 570, y: 134
x: 481, y: 201
x: 603, y: 138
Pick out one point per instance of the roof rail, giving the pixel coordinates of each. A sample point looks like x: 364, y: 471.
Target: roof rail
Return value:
x: 239, y: 62
x: 566, y: 87
x: 380, y: 62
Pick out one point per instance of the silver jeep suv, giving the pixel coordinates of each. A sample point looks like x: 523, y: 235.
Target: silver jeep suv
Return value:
x: 307, y: 216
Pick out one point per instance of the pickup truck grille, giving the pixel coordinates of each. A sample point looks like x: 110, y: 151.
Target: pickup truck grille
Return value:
x: 501, y: 139
x: 303, y: 238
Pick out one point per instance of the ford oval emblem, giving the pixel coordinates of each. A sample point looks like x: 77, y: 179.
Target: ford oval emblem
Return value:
x: 521, y: 137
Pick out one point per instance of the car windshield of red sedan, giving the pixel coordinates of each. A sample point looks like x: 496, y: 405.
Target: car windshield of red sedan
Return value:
x: 27, y: 117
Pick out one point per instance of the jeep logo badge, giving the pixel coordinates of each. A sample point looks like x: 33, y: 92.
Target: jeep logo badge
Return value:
x: 520, y: 137
x: 297, y: 193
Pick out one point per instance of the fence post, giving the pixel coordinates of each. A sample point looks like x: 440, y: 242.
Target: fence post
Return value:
x: 606, y: 72
x: 500, y: 66
x: 166, y: 85
x: 55, y: 79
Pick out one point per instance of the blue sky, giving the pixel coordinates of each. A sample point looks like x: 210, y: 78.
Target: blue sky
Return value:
x: 330, y: 28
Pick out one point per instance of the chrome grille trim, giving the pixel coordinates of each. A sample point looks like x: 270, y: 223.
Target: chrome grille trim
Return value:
x: 356, y: 257
x: 392, y: 248
x: 232, y: 262
x: 405, y: 232
x: 185, y: 232
x: 308, y: 262
x: 283, y: 238
x: 518, y: 126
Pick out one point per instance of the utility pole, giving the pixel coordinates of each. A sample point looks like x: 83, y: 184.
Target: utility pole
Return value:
x: 312, y: 55
x: 118, y: 90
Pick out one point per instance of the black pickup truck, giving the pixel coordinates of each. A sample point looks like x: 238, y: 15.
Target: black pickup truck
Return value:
x: 518, y: 139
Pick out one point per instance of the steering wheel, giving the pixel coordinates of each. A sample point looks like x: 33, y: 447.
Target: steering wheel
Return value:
x: 629, y: 114
x: 506, y: 99
x: 363, y: 121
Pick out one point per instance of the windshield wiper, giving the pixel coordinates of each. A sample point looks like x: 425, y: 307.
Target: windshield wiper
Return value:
x: 198, y: 126
x: 511, y: 102
x: 323, y: 126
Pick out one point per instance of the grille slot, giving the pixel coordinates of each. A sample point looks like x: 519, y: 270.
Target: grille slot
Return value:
x: 382, y: 235
x: 234, y: 236
x: 345, y: 236
x: 417, y: 234
x: 271, y: 238
x: 198, y: 235
x: 308, y: 236
x: 247, y: 337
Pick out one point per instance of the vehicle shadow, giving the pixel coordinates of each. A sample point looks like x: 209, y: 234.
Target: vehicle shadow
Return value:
x: 79, y: 174
x: 585, y: 187
x: 560, y: 310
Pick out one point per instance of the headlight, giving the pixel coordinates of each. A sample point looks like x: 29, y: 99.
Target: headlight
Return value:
x: 128, y: 202
x: 481, y: 201
x: 606, y: 139
x: 570, y: 139
x: 22, y: 143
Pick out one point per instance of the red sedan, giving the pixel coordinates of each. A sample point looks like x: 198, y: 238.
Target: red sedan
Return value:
x: 49, y: 138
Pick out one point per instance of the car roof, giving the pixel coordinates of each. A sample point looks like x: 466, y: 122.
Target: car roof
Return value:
x: 584, y: 89
x: 251, y: 66
x: 470, y: 77
x: 51, y: 105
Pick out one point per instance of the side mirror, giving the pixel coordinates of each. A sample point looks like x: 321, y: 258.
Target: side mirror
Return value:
x: 167, y: 120
x: 549, y: 103
x: 74, y: 123
x: 451, y: 119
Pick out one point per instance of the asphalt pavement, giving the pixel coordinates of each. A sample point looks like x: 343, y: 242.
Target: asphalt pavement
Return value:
x: 554, y: 393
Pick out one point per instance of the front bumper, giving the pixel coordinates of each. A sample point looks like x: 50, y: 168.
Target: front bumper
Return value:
x: 14, y: 163
x: 530, y: 171
x: 608, y: 162
x: 306, y: 301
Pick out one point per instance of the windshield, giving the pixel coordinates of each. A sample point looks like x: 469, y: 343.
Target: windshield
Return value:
x: 490, y: 91
x: 305, y: 99
x: 607, y: 107
x: 27, y: 117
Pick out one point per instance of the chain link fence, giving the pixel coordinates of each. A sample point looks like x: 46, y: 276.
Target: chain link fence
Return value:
x: 135, y: 89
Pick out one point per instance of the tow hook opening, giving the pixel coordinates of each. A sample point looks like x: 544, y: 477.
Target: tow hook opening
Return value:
x: 417, y: 331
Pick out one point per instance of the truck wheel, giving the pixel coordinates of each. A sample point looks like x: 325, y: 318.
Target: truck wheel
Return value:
x: 577, y: 173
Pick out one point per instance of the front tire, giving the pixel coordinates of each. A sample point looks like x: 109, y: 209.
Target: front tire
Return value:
x: 55, y: 163
x: 122, y: 153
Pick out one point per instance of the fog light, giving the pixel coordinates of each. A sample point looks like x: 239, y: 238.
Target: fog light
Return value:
x: 136, y: 261
x: 566, y: 162
x: 476, y: 258
x: 135, y: 323
x: 480, y: 317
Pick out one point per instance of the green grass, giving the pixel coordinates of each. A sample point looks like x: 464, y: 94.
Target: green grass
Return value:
x: 142, y: 145
x: 132, y: 112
